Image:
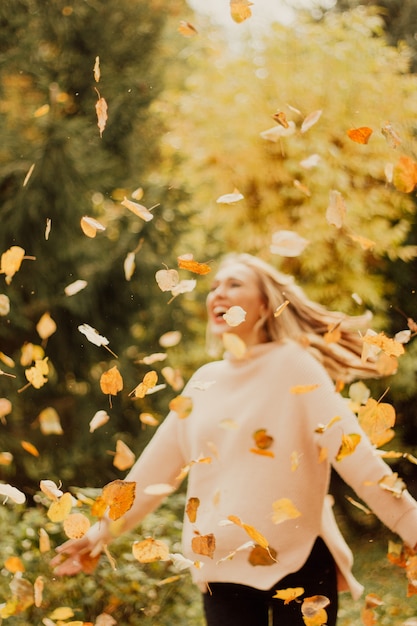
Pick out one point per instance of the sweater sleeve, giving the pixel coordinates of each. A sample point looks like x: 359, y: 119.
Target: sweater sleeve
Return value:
x: 362, y: 469
x: 159, y: 464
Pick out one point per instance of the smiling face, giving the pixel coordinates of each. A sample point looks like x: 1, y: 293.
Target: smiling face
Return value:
x: 236, y: 285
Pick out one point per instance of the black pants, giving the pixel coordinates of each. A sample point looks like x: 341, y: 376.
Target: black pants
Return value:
x: 229, y: 604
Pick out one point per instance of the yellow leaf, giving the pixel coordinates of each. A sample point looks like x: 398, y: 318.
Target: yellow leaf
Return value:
x: 250, y: 530
x: 186, y: 29
x: 124, y: 457
x: 46, y: 326
x: 148, y: 419
x: 262, y: 439
x: 10, y: 262
x: 235, y: 345
x: 284, y: 509
x: 390, y: 346
x: 99, y: 419
x: 149, y: 381
x: 96, y: 69
x: 138, y: 209
x: 300, y: 389
x: 405, y: 174
x: 44, y: 542
x: 289, y: 594
x: 90, y: 226
x: 240, y: 10
x: 76, y: 525
x: 377, y: 420
x: 13, y: 564
x: 348, y: 445
x: 111, y: 381
x: 62, y: 613
x: 192, y: 508
x: 150, y: 550
x: 204, y: 545
x: 101, y: 111
x: 49, y: 421
x: 60, y: 509
x: 393, y: 483
x: 182, y: 406
x: 37, y: 374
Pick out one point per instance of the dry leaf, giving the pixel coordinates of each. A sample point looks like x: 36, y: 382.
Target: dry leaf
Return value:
x: 50, y: 489
x: 193, y: 266
x: 393, y: 483
x: 186, y: 29
x: 49, y: 421
x: 191, y: 509
x: 348, y: 445
x: 204, y: 545
x: 124, y: 457
x: 321, y: 428
x: 90, y: 226
x: 118, y: 496
x: 138, y: 209
x: 76, y: 525
x: 4, y: 305
x: 235, y: 315
x: 262, y: 556
x: 150, y: 550
x: 37, y: 375
x: 170, y: 339
x: 182, y: 406
x: 101, y: 111
x: 405, y: 174
x: 30, y: 448
x: 289, y: 594
x: 262, y: 439
x: 336, y: 210
x: 38, y: 587
x: 281, y: 308
x: 300, y: 389
x: 275, y: 133
x: 360, y: 135
x: 10, y: 262
x: 310, y: 120
x: 149, y: 381
x: 173, y: 377
x: 391, y: 135
x: 99, y: 419
x: 111, y: 382
x: 48, y: 227
x: 283, y: 510
x: 167, y: 279
x: 75, y: 287
x: 96, y: 69
x: 148, y: 419
x: 61, y: 508
x: 287, y: 243
x: 377, y: 420
x: 250, y: 530
x: 313, y: 611
x: 281, y: 118
x: 230, y: 198
x: 240, y: 10
x: 364, y: 242
x: 235, y: 345
x: 28, y: 175
x: 390, y: 346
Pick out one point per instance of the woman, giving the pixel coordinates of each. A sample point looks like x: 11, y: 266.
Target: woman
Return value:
x: 268, y: 417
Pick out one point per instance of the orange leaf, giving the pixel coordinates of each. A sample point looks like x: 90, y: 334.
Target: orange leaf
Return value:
x: 262, y: 439
x: 250, y: 530
x: 29, y: 447
x: 193, y: 266
x: 124, y: 457
x: 281, y: 118
x: 186, y: 29
x: 377, y: 420
x: 150, y: 550
x: 204, y: 545
x: 76, y: 525
x: 192, y: 508
x: 119, y: 496
x: 360, y: 135
x: 149, y: 381
x: 182, y: 406
x: 405, y: 174
x: 289, y: 594
x: 13, y: 564
x: 240, y: 10
x: 348, y: 445
x: 262, y: 556
x: 111, y: 382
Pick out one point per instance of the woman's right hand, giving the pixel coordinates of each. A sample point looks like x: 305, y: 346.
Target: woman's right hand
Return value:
x: 81, y: 555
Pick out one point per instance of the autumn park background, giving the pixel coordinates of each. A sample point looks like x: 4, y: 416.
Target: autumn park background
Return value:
x: 137, y: 132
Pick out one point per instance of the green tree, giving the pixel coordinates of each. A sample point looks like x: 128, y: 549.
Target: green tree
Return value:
x: 50, y: 128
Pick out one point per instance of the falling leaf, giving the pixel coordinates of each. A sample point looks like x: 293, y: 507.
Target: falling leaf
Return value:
x: 96, y: 69
x: 167, y: 279
x: 101, y: 111
x: 38, y: 374
x: 159, y: 489
x: 13, y: 493
x: 390, y: 346
x: 150, y: 550
x: 301, y: 389
x: 313, y: 611
x: 94, y: 336
x: 360, y: 135
x: 391, y: 135
x: 184, y: 286
x: 104, y: 619
x: 29, y: 174
x: 262, y: 439
x: 333, y: 334
x: 148, y: 419
x: 281, y: 118
x: 149, y: 381
x: 5, y: 409
x: 6, y: 458
x: 90, y: 226
x: 50, y: 489
x: 289, y: 594
x: 182, y: 406
x: 4, y: 305
x: 10, y: 262
x: 38, y: 587
x: 234, y: 345
x: 61, y: 508
x: 48, y: 228
x: 124, y: 457
x: 348, y: 445
x: 75, y: 287
x: 49, y: 421
x: 62, y: 613
x: 262, y: 556
x: 310, y: 120
x: 250, y: 530
x: 193, y: 266
x: 283, y: 510
x: 138, y: 209
x: 240, y: 10
x: 170, y: 339
x: 173, y: 377
x: 186, y: 29
x: 359, y: 506
x: 303, y: 188
x: 321, y: 428
x: 377, y: 420
x: 405, y: 174
x: 311, y: 161
x: 275, y: 133
x: 234, y: 316
x: 336, y: 209
x: 111, y: 382
x: 30, y: 448
x: 118, y: 496
x: 287, y: 243
x: 230, y: 198
x: 99, y: 419
x: 281, y: 308
x: 204, y: 545
x: 393, y: 483
x: 155, y: 357
x: 76, y: 525
x: 403, y: 336
x: 191, y: 509
x: 364, y: 242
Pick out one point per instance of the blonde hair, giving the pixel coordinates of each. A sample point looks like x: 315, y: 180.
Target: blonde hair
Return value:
x: 308, y: 322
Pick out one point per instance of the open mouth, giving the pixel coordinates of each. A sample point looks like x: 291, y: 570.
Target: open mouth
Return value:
x: 219, y: 311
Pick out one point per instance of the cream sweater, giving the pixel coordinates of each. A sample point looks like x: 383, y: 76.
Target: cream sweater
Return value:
x: 231, y: 400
